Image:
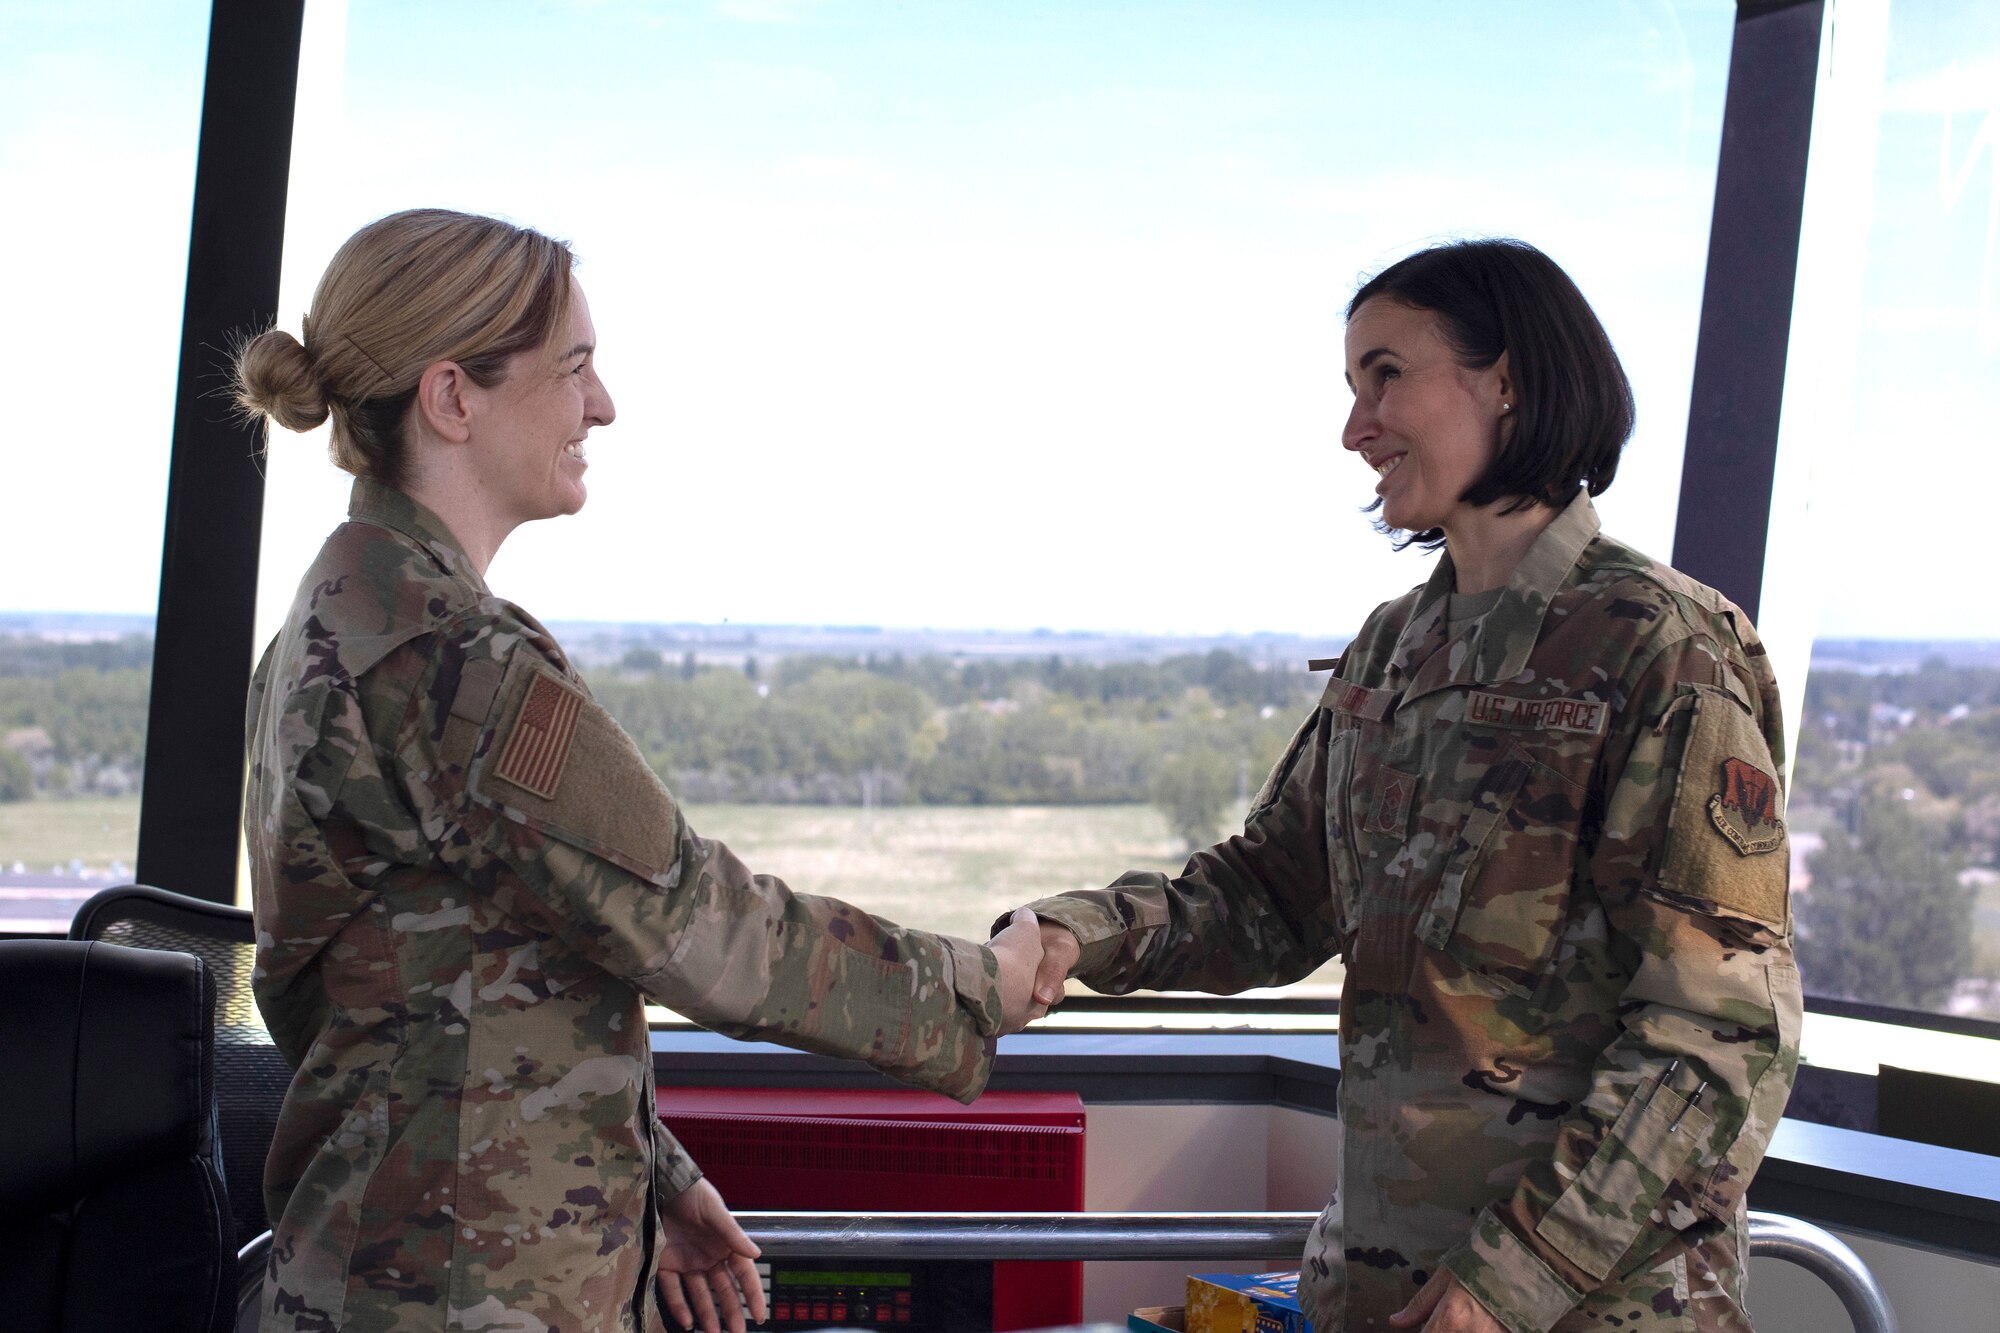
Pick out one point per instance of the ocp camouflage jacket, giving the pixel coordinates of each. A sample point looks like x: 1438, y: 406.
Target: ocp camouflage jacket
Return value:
x: 1549, y: 848
x: 467, y: 883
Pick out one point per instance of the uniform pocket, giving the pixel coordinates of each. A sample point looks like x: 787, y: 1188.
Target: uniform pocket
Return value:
x: 1500, y: 904
x: 1599, y: 1215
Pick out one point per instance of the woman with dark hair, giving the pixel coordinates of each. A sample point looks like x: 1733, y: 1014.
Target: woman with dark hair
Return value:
x: 1536, y: 812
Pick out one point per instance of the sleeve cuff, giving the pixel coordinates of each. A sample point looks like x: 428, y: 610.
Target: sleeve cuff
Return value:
x: 1097, y: 929
x: 673, y: 1170
x: 975, y: 977
x: 1507, y: 1277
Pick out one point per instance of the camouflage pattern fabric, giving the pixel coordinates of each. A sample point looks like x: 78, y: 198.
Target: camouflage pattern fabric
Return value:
x: 1549, y: 847
x: 467, y: 883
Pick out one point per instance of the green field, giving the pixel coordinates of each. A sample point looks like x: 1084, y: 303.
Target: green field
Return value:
x: 96, y: 830
x: 946, y: 868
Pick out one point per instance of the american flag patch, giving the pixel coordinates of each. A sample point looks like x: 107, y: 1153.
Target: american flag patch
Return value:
x: 538, y: 747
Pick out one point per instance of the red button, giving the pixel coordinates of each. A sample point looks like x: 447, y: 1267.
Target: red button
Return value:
x: 884, y: 1313
x: 903, y: 1315
x: 902, y: 1298
x: 839, y: 1315
x: 819, y: 1310
x: 782, y: 1310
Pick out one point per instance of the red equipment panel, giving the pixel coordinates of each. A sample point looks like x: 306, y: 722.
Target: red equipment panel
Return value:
x: 853, y: 1150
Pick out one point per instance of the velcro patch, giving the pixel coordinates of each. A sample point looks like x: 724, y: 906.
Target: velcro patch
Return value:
x: 1745, y: 811
x: 537, y: 746
x: 1358, y: 700
x: 1726, y: 838
x: 1587, y: 716
x: 603, y: 796
x: 1391, y: 811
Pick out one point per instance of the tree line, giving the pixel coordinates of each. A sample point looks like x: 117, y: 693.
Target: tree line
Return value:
x: 1191, y: 733
x: 1899, y: 773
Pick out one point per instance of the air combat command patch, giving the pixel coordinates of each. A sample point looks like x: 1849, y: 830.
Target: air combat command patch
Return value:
x: 1746, y: 809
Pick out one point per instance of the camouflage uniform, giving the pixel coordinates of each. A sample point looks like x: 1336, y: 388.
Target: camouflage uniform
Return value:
x: 467, y: 884
x: 1548, y: 847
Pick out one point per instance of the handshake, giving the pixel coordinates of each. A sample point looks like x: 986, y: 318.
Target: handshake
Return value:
x: 1035, y: 958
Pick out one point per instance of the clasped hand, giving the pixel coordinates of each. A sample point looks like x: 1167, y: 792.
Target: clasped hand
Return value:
x: 1035, y: 959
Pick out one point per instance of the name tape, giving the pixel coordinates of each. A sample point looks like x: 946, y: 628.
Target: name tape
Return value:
x: 1359, y: 700
x: 1558, y: 714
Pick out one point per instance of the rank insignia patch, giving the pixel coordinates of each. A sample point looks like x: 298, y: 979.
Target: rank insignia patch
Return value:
x: 1745, y: 811
x: 1391, y: 811
x: 538, y: 746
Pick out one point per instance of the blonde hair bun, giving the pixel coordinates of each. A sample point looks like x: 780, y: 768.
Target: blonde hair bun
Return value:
x: 275, y: 378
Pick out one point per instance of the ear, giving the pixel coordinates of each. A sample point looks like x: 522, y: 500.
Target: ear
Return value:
x: 444, y: 401
x: 1503, y: 380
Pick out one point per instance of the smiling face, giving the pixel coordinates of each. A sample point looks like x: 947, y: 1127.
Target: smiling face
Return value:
x: 536, y: 418
x: 1428, y: 426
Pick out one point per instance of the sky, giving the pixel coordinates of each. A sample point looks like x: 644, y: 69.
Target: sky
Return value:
x: 973, y: 314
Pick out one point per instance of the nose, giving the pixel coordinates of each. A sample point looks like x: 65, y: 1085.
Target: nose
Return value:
x: 1360, y: 429
x: 599, y: 408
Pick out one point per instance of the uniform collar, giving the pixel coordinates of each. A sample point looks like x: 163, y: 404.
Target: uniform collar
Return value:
x: 1506, y: 635
x: 387, y: 507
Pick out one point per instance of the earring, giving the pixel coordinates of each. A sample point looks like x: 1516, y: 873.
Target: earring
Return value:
x: 1505, y: 406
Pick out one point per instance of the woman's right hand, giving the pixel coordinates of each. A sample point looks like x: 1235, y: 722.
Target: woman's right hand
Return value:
x: 1018, y: 949
x: 1060, y: 952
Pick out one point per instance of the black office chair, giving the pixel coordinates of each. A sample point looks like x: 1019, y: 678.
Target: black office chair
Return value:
x: 111, y: 1202
x: 250, y: 1075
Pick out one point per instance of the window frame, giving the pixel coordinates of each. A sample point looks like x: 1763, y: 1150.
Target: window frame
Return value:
x: 204, y: 635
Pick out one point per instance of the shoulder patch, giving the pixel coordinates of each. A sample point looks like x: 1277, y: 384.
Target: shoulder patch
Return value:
x: 591, y: 788
x: 1726, y: 842
x: 536, y: 748
x: 1746, y: 809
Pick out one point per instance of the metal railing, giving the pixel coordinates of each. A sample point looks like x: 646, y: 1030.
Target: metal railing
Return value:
x: 1222, y: 1236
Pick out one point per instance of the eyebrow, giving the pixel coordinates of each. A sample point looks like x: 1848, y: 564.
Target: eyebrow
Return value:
x: 581, y: 349
x: 1369, y: 357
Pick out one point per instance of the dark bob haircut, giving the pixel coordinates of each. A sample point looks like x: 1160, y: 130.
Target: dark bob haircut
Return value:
x: 1572, y: 405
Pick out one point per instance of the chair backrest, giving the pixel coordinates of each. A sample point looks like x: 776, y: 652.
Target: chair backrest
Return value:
x: 112, y: 1211
x: 250, y: 1075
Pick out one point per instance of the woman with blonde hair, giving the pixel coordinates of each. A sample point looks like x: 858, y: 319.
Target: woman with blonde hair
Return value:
x: 468, y: 882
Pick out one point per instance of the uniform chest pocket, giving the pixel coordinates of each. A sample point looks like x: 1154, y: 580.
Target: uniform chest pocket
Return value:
x: 1501, y: 902
x: 1342, y: 861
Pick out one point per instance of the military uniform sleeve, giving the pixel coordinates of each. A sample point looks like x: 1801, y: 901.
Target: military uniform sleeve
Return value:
x: 673, y: 1169
x: 530, y: 791
x: 1690, y: 867
x: 1254, y: 910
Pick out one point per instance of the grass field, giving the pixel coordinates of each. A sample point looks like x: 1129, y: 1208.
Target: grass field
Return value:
x: 947, y: 868
x: 94, y: 830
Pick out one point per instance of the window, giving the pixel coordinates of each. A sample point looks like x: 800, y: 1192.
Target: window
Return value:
x: 1896, y: 378
x: 99, y: 109
x: 976, y: 496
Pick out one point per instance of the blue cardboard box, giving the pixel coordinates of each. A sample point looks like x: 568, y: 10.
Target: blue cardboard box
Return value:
x: 1263, y: 1302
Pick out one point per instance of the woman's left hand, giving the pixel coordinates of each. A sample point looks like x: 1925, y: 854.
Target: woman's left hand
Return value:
x: 706, y: 1263
x: 1445, y: 1307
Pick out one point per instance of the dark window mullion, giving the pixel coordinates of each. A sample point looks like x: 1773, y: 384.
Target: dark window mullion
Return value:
x: 215, y: 486
x: 1746, y: 307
